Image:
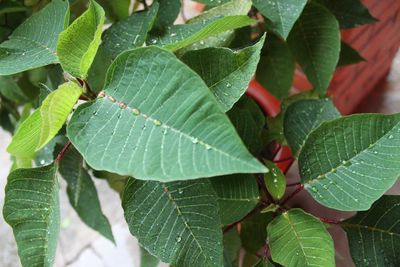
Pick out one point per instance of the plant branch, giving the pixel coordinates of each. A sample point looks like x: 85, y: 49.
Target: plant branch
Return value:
x: 329, y: 220
x: 62, y: 152
x: 299, y: 188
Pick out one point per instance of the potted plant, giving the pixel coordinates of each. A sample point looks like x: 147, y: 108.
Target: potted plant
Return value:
x: 159, y: 110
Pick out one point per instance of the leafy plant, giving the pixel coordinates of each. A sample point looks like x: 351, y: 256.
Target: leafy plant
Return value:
x: 159, y: 111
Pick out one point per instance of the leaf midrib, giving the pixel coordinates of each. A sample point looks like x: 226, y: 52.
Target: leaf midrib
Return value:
x: 370, y: 228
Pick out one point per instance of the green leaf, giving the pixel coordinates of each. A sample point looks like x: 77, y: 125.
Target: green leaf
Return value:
x: 227, y: 73
x: 180, y: 36
x: 117, y: 10
x: 276, y: 68
x: 147, y: 260
x: 348, y: 55
x: 374, y: 235
x: 298, y: 239
x: 128, y: 33
x: 303, y: 116
x: 232, y: 245
x: 33, y: 43
x: 348, y: 163
x: 350, y: 14
x: 78, y: 44
x: 32, y: 209
x: 275, y: 180
x: 281, y: 14
x: 237, y: 195
x: 151, y: 129
x: 39, y: 128
x: 167, y: 13
x: 252, y: 233
x: 315, y: 43
x: 10, y: 90
x: 178, y: 222
x: 213, y: 2
x: 264, y: 262
x: 82, y: 193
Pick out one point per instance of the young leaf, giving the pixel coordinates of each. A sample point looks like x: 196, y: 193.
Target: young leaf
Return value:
x: 230, y: 71
x: 275, y: 180
x: 78, y: 44
x: 178, y: 222
x: 82, y: 193
x: 315, y: 43
x: 348, y: 163
x: 303, y: 116
x: 374, y: 235
x: 252, y: 233
x: 348, y: 55
x: 298, y: 239
x: 128, y: 33
x: 151, y: 129
x: 32, y: 209
x: 237, y: 195
x: 116, y: 10
x: 167, y: 13
x: 350, y: 14
x: 180, y: 36
x: 280, y: 14
x: 39, y: 128
x: 276, y: 68
x: 33, y: 43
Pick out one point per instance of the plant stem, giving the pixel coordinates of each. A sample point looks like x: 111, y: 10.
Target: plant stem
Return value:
x: 62, y: 152
x: 293, y: 184
x: 329, y: 220
x: 299, y: 188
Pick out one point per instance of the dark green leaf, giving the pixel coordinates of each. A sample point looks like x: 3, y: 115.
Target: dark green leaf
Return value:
x: 147, y: 260
x: 252, y: 233
x: 32, y: 209
x: 227, y: 73
x: 348, y: 55
x: 151, y: 129
x: 298, y: 239
x: 232, y: 245
x: 213, y: 2
x: 10, y: 90
x: 350, y: 162
x: 33, y: 43
x: 349, y: 13
x: 167, y: 13
x: 281, y: 14
x: 178, y: 222
x: 303, y: 116
x: 237, y: 195
x: 315, y: 43
x: 82, y: 193
x: 276, y: 68
x: 374, y: 235
x: 264, y: 262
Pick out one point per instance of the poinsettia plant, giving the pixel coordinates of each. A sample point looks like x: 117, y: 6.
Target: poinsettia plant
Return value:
x: 95, y: 90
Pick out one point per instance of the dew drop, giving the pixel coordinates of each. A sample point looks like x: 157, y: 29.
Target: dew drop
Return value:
x: 180, y: 191
x: 314, y: 189
x: 228, y: 85
x: 391, y: 136
x: 153, y: 41
x: 375, y: 152
x: 157, y: 122
x: 334, y: 170
x: 173, y: 34
x: 208, y: 147
x: 135, y: 111
x: 178, y: 239
x: 23, y: 53
x: 202, y: 42
x: 195, y: 140
x: 42, y: 162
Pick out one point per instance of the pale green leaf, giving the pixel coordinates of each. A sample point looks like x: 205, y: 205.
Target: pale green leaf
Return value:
x: 82, y: 193
x: 303, y: 116
x: 78, y: 44
x: 374, y: 235
x: 350, y: 14
x: 32, y: 209
x: 350, y: 162
x: 315, y: 43
x: 227, y: 73
x: 33, y: 43
x: 148, y: 128
x: 178, y: 221
x: 237, y: 195
x: 275, y: 180
x: 252, y: 232
x: 180, y: 36
x: 281, y: 14
x: 298, y: 239
x: 276, y: 68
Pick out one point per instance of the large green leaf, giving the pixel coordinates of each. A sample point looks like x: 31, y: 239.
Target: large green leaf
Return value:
x: 78, y: 44
x: 151, y: 129
x: 37, y: 130
x: 276, y: 68
x: 315, y: 43
x: 168, y: 12
x: 227, y: 73
x: 374, y: 235
x: 82, y: 193
x: 303, y: 116
x: 178, y: 221
x: 348, y: 163
x: 349, y: 13
x: 237, y: 195
x: 298, y: 239
x: 33, y: 43
x: 128, y: 33
x: 32, y: 209
x: 180, y: 36
x: 253, y: 234
x: 281, y: 14
x: 147, y: 260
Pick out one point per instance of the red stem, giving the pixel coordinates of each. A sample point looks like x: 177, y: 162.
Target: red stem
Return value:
x: 299, y: 188
x: 293, y: 184
x: 62, y: 152
x: 329, y: 220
